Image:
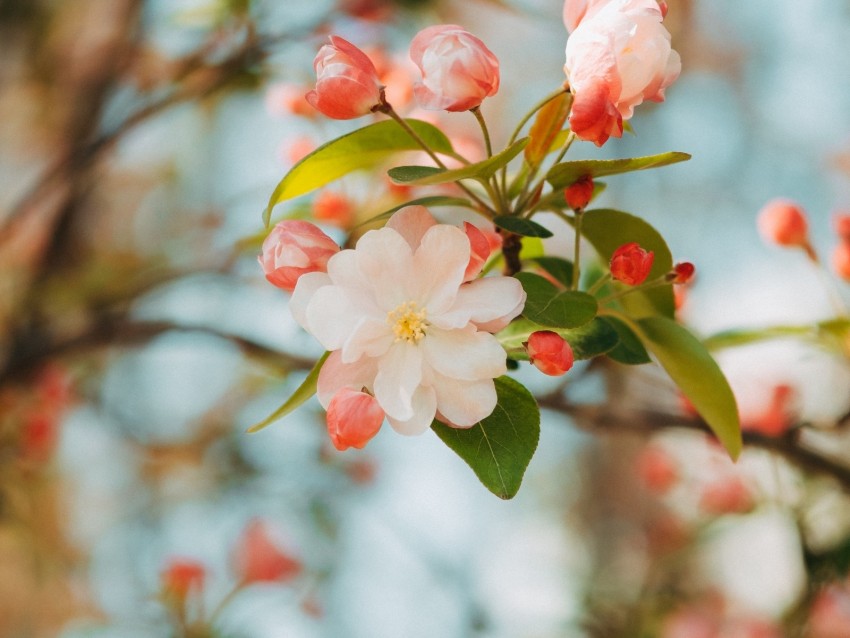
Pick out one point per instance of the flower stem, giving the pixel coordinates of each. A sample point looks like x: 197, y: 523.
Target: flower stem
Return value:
x: 649, y: 285
x: 528, y: 195
x: 387, y: 108
x: 486, y: 133
x: 599, y: 283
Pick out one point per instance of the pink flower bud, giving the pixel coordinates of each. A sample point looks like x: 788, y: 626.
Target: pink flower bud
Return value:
x: 347, y: 84
x: 294, y: 248
x: 682, y: 273
x: 181, y: 578
x: 783, y: 222
x: 353, y: 418
x: 841, y: 260
x: 479, y: 251
x: 663, y: 8
x: 631, y: 264
x: 257, y: 559
x: 657, y: 470
x: 578, y: 193
x: 458, y: 70
x: 333, y: 208
x: 841, y: 222
x: 779, y: 415
x: 549, y: 352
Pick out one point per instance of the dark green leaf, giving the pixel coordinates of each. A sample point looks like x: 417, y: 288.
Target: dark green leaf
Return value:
x: 480, y: 170
x: 629, y: 349
x: 553, y: 308
x: 609, y: 229
x: 499, y: 448
x: 560, y: 269
x: 304, y: 392
x: 590, y: 340
x: 698, y: 376
x: 522, y: 226
x: 564, y: 174
x: 363, y: 148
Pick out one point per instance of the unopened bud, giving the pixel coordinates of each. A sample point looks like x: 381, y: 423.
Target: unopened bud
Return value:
x: 682, y: 273
x: 578, y: 193
x: 631, y: 264
x: 783, y: 222
x: 353, y: 418
x: 549, y: 352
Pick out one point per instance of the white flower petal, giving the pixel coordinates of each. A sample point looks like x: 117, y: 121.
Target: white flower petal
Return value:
x: 343, y: 270
x: 306, y: 287
x: 371, y: 337
x: 333, y: 312
x: 412, y: 222
x: 424, y: 410
x: 464, y: 403
x: 490, y: 299
x: 385, y: 261
x: 336, y: 375
x: 465, y: 354
x: 439, y: 265
x: 399, y: 374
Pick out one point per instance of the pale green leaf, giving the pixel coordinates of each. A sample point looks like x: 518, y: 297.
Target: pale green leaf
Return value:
x: 306, y: 390
x: 566, y: 173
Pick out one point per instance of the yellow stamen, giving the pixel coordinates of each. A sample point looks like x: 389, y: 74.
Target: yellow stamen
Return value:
x: 408, y: 323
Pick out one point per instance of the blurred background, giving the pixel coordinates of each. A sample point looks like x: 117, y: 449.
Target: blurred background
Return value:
x: 139, y: 143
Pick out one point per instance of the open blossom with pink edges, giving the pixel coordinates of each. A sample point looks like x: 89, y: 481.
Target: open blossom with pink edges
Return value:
x: 404, y: 326
x: 458, y: 70
x: 618, y: 56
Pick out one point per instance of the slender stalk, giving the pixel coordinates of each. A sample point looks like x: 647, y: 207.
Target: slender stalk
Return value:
x: 655, y: 283
x: 387, y: 109
x: 599, y: 283
x: 484, y: 131
x: 528, y: 194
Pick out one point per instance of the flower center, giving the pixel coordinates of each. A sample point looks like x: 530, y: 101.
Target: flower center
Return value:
x: 408, y: 322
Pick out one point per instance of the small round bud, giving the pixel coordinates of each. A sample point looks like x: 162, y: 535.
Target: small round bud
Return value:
x: 353, y: 419
x: 578, y: 193
x: 630, y: 264
x: 783, y: 222
x: 549, y: 352
x: 682, y: 273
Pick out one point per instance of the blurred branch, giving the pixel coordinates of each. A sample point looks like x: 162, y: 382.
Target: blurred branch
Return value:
x: 601, y: 419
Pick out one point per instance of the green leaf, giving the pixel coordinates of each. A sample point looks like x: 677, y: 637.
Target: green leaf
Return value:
x: 560, y: 269
x: 830, y: 334
x: 432, y: 201
x: 563, y: 174
x: 590, y: 340
x: 304, y: 392
x: 409, y: 174
x: 499, y: 447
x: 480, y: 170
x: 629, y: 349
x: 607, y: 230
x: 522, y: 226
x: 363, y: 148
x: 551, y: 307
x: 698, y: 376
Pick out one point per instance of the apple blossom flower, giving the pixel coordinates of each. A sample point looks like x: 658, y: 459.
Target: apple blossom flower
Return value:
x: 631, y: 264
x: 549, y: 352
x: 777, y: 417
x: 829, y: 615
x: 347, y: 84
x: 402, y: 325
x: 458, y: 70
x: 618, y: 56
x: 354, y: 417
x: 783, y: 222
x: 726, y: 495
x: 578, y: 193
x: 293, y: 248
x: 257, y: 559
x: 576, y: 10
